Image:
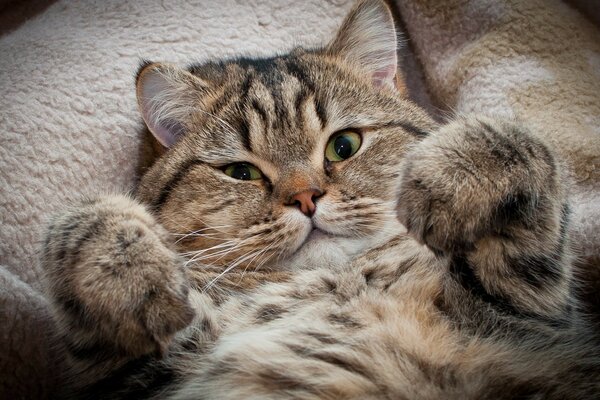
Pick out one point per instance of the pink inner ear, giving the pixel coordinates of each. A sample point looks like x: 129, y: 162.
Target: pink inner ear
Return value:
x: 166, y: 132
x: 167, y: 136
x: 384, y: 77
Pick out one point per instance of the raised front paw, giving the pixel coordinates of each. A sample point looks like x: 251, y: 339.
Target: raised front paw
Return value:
x: 114, y: 278
x: 477, y: 177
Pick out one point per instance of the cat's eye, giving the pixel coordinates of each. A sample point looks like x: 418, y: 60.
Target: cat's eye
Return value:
x: 342, y: 146
x: 243, y: 171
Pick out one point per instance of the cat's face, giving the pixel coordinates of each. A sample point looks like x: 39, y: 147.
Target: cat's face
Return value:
x: 294, y: 158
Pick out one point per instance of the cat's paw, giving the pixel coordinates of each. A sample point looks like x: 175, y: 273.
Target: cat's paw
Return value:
x: 114, y: 277
x: 473, y: 178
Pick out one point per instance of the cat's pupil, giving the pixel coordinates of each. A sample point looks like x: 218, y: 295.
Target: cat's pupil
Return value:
x: 241, y: 171
x: 342, y: 147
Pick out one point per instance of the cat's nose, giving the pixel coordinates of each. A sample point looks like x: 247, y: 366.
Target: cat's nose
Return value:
x: 305, y: 201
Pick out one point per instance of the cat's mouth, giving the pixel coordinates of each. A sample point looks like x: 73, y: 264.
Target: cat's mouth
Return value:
x: 315, y: 238
x: 321, y: 247
x: 316, y: 234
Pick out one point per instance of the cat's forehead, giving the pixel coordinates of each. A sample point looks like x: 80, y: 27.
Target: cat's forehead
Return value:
x: 281, y: 107
x: 275, y: 105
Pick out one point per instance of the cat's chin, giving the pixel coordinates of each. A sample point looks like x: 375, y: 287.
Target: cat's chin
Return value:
x: 322, y: 249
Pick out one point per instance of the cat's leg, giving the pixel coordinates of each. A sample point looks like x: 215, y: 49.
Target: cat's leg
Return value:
x: 490, y: 198
x: 119, y: 291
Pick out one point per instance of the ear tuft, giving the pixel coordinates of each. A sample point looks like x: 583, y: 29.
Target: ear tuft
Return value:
x: 367, y: 38
x: 166, y: 96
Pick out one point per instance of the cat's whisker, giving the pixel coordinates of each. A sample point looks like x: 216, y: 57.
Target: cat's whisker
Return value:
x: 207, y: 256
x: 279, y: 254
x: 207, y: 228
x: 217, y: 228
x: 204, y: 229
x: 200, y: 255
x: 223, y: 250
x: 260, y: 256
x: 203, y: 257
x: 201, y: 233
x: 259, y: 253
x: 264, y: 258
x: 237, y: 262
x: 208, y: 236
x: 252, y: 256
x: 217, y: 246
x: 223, y: 253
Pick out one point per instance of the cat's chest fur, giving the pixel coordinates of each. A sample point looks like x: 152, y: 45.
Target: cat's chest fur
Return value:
x: 364, y: 317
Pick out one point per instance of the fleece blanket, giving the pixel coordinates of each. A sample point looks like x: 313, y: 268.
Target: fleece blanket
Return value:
x: 69, y: 123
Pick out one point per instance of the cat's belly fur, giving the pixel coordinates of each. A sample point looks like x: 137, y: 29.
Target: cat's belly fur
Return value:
x: 368, y: 330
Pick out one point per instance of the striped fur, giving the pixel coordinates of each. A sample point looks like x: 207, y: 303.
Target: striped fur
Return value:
x: 207, y: 287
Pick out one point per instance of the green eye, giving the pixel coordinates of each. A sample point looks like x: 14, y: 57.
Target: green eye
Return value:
x: 243, y: 171
x: 342, y: 145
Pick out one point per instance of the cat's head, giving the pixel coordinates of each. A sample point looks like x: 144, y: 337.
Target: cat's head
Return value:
x: 292, y: 157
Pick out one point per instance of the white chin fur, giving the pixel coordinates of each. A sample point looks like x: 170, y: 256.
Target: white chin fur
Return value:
x: 329, y: 251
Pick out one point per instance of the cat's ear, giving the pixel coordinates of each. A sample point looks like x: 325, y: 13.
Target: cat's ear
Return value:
x: 367, y: 38
x: 167, y: 95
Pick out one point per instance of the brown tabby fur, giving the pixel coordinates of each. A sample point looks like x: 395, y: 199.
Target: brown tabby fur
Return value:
x: 205, y: 286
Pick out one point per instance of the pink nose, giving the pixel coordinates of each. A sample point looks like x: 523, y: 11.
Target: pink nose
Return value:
x: 305, y: 201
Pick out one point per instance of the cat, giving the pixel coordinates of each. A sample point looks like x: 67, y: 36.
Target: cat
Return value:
x: 307, y: 232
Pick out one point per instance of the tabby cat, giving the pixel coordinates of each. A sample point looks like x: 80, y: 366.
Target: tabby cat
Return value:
x: 306, y: 232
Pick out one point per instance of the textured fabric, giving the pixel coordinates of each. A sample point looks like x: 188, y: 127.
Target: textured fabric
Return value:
x: 27, y: 361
